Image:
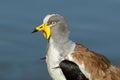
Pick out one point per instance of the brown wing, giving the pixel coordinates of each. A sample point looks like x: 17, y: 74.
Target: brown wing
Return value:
x: 97, y: 65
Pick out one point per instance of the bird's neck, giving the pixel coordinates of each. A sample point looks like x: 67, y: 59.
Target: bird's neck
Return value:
x: 64, y: 47
x: 59, y: 40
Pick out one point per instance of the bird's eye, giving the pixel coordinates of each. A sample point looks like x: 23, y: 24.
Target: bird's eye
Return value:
x: 53, y: 23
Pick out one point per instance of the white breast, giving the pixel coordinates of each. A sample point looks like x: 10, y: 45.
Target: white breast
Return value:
x: 53, y: 59
x: 55, y: 56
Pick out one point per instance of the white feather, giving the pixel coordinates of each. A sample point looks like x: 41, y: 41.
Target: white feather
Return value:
x: 47, y: 18
x: 53, y: 59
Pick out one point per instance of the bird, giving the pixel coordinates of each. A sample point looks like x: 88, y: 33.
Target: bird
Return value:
x: 93, y: 65
x: 71, y: 70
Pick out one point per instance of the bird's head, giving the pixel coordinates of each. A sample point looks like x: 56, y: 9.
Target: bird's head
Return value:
x: 53, y: 25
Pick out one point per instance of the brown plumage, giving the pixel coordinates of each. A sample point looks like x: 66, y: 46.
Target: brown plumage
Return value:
x: 97, y: 65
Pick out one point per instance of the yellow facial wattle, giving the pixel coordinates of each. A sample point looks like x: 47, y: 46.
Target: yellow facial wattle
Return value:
x: 45, y: 28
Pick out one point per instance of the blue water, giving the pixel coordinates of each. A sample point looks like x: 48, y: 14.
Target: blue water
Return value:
x: 93, y: 23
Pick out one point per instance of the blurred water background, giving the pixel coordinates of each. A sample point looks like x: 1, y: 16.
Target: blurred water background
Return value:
x: 94, y: 23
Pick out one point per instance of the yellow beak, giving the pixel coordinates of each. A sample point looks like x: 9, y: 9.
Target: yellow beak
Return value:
x: 45, y: 28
